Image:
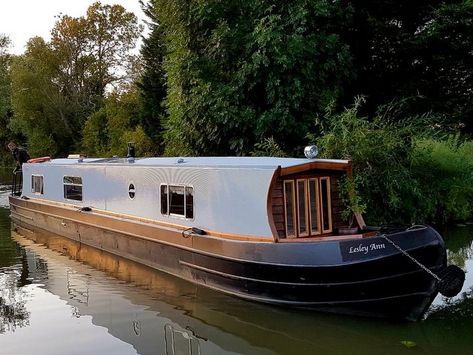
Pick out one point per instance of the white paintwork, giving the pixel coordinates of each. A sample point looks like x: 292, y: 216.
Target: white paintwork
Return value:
x: 230, y: 193
x: 202, y: 162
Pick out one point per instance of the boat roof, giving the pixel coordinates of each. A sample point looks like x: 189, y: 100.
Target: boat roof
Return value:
x: 200, y: 162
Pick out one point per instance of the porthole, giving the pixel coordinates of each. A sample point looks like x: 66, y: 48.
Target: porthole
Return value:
x: 131, y: 191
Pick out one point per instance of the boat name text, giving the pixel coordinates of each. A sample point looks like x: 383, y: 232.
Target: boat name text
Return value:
x: 365, y: 249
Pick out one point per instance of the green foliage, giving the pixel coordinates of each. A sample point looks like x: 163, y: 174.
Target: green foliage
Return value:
x: 58, y: 84
x: 351, y: 198
x: 413, y: 49
x: 36, y: 100
x: 446, y: 60
x: 107, y: 131
x: 268, y: 148
x: 404, y: 174
x: 152, y: 83
x: 380, y: 151
x: 238, y: 74
x: 445, y: 172
x: 5, y: 97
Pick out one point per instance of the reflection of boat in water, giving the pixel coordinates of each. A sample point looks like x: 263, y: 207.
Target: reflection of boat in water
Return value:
x: 150, y: 308
x: 155, y: 318
x: 264, y: 229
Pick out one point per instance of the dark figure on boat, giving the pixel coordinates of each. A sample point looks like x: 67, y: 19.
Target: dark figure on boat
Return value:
x: 19, y: 153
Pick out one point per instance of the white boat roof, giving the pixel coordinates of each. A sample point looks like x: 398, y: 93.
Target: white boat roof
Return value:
x: 201, y: 162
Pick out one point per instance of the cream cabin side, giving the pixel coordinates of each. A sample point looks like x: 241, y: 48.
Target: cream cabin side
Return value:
x: 226, y: 201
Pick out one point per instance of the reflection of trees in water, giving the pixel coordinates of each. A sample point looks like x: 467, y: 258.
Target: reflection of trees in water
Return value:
x: 13, y: 311
x: 13, y: 276
x: 455, y: 309
x: 459, y: 242
x: 460, y: 256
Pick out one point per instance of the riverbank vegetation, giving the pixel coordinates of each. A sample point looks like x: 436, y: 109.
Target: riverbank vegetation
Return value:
x: 388, y: 85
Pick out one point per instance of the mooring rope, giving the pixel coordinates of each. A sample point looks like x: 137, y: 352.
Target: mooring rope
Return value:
x: 422, y: 266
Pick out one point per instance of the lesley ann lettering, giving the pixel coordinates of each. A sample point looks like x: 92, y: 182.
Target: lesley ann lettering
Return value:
x: 365, y: 249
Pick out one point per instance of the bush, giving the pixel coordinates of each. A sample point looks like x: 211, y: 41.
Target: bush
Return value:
x: 444, y: 170
x: 381, y: 151
x: 404, y: 174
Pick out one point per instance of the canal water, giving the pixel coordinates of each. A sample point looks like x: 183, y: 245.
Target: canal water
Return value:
x: 57, y: 297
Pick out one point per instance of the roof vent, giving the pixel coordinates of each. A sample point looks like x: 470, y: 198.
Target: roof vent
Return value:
x: 180, y: 160
x: 311, y: 151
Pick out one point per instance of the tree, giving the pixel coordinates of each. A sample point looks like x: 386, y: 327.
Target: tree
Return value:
x: 419, y: 50
x: 41, y: 112
x: 4, y: 77
x: 57, y: 85
x: 152, y: 83
x: 446, y: 63
x: 5, y: 93
x: 111, y: 35
x: 238, y: 74
x: 107, y: 131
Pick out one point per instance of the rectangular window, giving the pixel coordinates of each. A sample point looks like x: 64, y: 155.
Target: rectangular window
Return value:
x: 189, y: 202
x: 326, y: 204
x: 177, y: 200
x: 314, y: 206
x: 73, y: 188
x: 164, y: 199
x: 289, y: 203
x: 37, y: 184
x: 302, y: 208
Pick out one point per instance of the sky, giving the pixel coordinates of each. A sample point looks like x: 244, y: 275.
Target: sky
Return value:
x: 21, y: 20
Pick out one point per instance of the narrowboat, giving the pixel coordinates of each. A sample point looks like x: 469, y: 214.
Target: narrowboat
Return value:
x: 260, y: 228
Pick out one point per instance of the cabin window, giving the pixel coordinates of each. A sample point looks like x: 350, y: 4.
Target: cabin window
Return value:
x: 189, y: 202
x: 164, y: 199
x: 37, y: 184
x: 177, y: 201
x: 289, y: 202
x: 73, y: 188
x: 308, y: 209
x: 314, y: 201
x: 302, y: 207
x: 326, y: 205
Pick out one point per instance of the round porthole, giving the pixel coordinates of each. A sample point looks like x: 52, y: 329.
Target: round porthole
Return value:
x: 131, y: 191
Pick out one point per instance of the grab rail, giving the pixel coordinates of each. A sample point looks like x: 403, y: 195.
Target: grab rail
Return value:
x: 17, y: 183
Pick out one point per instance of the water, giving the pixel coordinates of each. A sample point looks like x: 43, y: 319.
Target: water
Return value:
x: 68, y: 299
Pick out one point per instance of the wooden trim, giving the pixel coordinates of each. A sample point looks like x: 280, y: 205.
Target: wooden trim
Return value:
x: 329, y: 238
x: 294, y: 214
x: 317, y: 206
x: 269, y: 204
x: 350, y: 169
x: 329, y: 205
x: 319, y: 165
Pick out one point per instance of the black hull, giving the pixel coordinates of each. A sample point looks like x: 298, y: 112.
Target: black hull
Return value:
x: 389, y: 286
x: 366, y: 277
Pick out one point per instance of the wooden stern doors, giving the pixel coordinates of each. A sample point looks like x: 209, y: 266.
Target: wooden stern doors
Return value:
x: 307, y: 207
